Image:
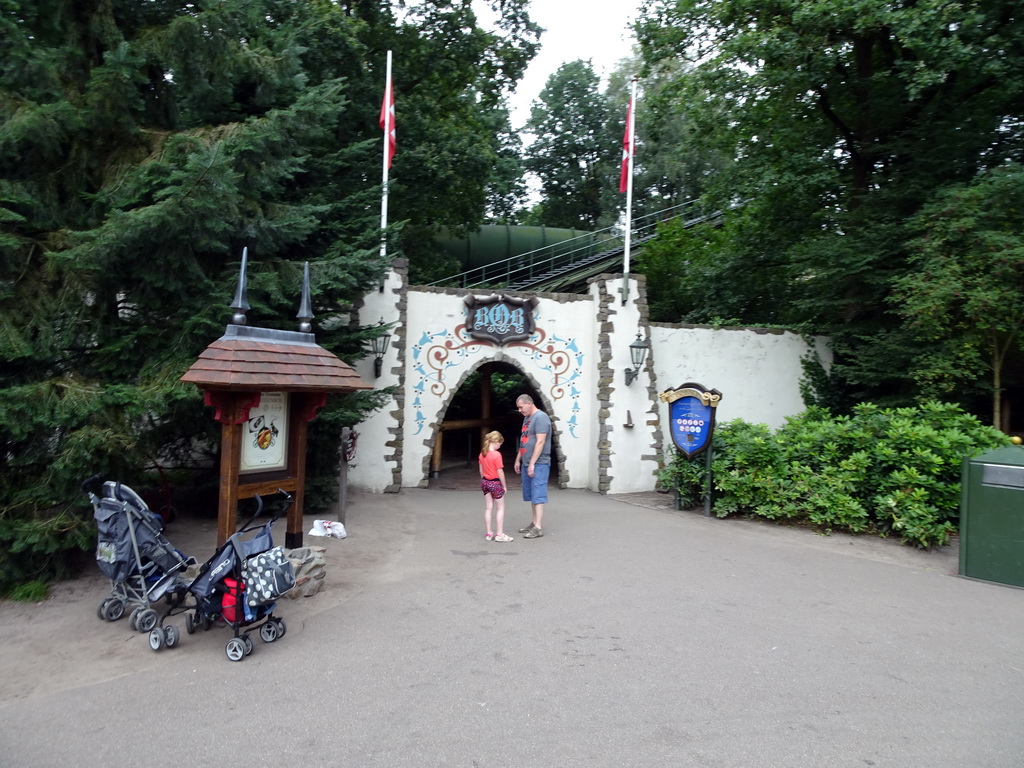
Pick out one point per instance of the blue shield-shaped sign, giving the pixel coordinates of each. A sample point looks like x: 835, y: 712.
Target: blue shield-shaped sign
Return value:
x: 691, y: 416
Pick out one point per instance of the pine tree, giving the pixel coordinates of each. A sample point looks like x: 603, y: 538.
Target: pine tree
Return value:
x: 143, y: 145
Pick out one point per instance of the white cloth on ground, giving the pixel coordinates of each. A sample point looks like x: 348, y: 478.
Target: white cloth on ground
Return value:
x: 328, y: 528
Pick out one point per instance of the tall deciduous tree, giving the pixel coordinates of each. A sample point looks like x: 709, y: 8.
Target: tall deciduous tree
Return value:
x: 573, y: 152
x: 668, y: 170
x: 842, y: 120
x: 577, y: 148
x: 965, y: 294
x: 457, y: 158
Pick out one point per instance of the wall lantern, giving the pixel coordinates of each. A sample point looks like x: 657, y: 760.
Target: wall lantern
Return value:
x: 637, y: 353
x: 379, y: 346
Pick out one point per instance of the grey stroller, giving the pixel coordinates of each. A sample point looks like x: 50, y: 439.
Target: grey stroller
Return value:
x: 236, y: 588
x: 131, y: 551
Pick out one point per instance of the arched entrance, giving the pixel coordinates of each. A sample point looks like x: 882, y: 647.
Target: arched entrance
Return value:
x: 484, y: 400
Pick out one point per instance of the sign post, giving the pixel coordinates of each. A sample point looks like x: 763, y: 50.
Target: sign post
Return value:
x: 691, y: 410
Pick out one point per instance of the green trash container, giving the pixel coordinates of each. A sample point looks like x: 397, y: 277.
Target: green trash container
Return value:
x: 992, y: 517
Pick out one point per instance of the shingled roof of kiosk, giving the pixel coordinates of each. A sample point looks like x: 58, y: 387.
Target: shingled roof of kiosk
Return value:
x: 269, y: 360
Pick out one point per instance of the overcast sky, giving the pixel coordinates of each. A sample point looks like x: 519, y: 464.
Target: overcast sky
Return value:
x: 575, y: 29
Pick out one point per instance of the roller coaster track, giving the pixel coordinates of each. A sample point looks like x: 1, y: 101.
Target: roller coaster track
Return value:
x: 566, y: 266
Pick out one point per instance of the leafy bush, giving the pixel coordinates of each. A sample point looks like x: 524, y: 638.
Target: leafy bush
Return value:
x: 31, y: 592
x: 42, y: 550
x: 882, y: 470
x: 685, y: 479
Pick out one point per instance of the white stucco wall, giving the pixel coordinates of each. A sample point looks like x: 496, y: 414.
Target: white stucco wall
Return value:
x: 372, y: 470
x: 631, y: 452
x: 557, y: 359
x: 610, y: 436
x: 757, y: 370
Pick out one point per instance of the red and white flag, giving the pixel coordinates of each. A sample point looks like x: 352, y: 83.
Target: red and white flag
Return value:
x: 628, y: 145
x: 387, y: 119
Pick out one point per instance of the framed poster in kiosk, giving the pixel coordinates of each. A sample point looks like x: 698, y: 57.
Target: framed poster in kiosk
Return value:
x: 265, y: 442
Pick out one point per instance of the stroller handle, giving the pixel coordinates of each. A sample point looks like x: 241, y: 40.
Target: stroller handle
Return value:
x: 287, y: 498
x: 87, y: 484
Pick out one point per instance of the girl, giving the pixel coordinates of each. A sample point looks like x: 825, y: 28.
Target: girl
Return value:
x: 492, y: 483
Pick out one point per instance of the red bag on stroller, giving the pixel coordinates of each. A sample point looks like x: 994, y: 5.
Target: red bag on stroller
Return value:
x: 232, y: 599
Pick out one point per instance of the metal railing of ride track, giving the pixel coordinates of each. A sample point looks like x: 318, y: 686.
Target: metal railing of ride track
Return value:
x: 574, y: 252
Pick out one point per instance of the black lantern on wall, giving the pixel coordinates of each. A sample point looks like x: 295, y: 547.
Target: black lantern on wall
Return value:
x: 637, y: 354
x: 379, y: 346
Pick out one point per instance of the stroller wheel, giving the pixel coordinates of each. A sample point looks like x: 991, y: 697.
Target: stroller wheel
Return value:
x: 146, y: 620
x: 269, y: 632
x: 235, y: 649
x: 156, y: 638
x: 171, y: 636
x: 190, y: 623
x: 101, y: 609
x: 115, y: 609
x: 281, y: 628
x: 249, y: 645
x: 133, y: 619
x: 204, y: 622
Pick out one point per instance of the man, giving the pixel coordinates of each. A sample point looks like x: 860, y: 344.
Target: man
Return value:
x: 533, y: 462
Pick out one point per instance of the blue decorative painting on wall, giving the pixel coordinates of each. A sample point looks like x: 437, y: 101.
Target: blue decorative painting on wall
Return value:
x: 554, y: 361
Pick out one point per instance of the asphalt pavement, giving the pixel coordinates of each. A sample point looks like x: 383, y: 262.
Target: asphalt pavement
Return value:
x: 631, y: 634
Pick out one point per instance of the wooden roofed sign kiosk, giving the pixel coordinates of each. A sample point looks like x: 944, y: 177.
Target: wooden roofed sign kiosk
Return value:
x: 266, y: 385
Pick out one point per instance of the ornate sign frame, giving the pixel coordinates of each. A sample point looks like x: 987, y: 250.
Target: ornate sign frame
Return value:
x: 500, y: 319
x: 691, y: 416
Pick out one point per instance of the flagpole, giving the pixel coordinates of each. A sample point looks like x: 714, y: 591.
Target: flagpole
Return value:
x: 388, y: 117
x: 629, y: 150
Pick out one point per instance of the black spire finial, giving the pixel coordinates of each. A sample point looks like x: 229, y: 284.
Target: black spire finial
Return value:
x: 241, y: 301
x: 305, y: 307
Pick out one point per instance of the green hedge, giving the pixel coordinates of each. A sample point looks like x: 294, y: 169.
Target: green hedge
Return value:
x: 35, y: 551
x: 887, y: 471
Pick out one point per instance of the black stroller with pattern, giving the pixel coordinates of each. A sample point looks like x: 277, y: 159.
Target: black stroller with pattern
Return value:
x: 131, y: 551
x: 236, y: 588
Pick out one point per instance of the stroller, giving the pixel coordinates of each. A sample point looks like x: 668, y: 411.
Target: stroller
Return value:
x: 236, y: 588
x: 133, y: 553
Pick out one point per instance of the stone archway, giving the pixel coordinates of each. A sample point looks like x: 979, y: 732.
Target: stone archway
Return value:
x: 468, y: 414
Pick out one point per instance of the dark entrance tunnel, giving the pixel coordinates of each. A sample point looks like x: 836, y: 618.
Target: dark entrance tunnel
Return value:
x: 484, y: 402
